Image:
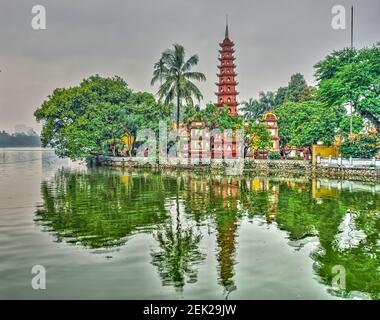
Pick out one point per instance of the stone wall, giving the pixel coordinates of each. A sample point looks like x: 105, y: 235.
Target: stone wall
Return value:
x: 362, y: 174
x: 278, y: 165
x: 282, y: 168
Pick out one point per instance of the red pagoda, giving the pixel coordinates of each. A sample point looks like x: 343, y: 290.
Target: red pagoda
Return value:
x: 221, y: 146
x: 227, y: 84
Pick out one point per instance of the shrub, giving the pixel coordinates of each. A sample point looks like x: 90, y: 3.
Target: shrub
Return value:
x: 274, y: 156
x: 361, y: 146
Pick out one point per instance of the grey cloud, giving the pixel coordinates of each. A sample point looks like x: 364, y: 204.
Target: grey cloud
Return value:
x: 274, y: 39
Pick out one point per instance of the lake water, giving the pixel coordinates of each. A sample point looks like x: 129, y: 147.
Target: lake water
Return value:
x: 105, y: 233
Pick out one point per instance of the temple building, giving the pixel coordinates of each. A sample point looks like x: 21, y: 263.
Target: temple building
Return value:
x: 227, y: 84
x: 271, y: 122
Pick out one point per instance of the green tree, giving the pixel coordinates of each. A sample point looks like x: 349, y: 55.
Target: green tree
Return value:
x: 214, y: 117
x: 345, y: 125
x: 77, y: 120
x: 93, y: 117
x: 352, y: 77
x: 254, y: 109
x: 250, y: 109
x: 296, y: 86
x: 327, y: 68
x: 361, y: 146
x: 257, y: 138
x: 175, y: 72
x: 280, y: 96
x: 303, y: 124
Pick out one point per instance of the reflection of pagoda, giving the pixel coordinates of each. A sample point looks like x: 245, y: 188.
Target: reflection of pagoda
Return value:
x: 226, y: 191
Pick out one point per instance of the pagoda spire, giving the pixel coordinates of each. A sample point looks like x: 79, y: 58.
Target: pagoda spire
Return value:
x: 226, y: 36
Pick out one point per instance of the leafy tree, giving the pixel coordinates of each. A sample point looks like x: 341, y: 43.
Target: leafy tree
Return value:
x: 303, y: 124
x: 361, y: 146
x: 254, y: 109
x: 280, y: 96
x: 296, y: 91
x: 251, y: 109
x: 175, y: 72
x: 214, y: 117
x: 345, y: 125
x: 77, y: 120
x: 352, y: 77
x: 257, y: 138
x: 296, y: 86
x: 309, y: 94
x: 327, y: 68
x: 93, y: 117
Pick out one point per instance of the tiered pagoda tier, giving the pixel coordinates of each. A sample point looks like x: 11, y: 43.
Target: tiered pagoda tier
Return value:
x: 227, y: 84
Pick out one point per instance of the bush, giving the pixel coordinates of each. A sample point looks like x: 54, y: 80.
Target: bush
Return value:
x: 274, y: 156
x: 361, y: 146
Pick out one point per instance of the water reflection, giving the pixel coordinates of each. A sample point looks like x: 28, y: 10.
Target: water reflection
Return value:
x: 178, y: 254
x: 104, y: 208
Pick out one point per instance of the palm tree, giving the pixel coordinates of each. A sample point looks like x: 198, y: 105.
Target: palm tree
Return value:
x: 159, y: 70
x: 175, y: 74
x: 249, y: 109
x: 253, y: 109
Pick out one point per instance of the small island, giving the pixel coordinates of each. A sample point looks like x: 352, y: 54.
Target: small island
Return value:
x: 296, y: 128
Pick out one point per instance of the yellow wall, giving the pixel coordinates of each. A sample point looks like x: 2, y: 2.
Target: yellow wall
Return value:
x: 324, y: 152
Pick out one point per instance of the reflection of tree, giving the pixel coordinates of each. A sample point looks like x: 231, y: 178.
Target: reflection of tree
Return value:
x: 216, y: 198
x: 302, y: 216
x: 361, y: 260
x: 179, y: 254
x: 100, y: 208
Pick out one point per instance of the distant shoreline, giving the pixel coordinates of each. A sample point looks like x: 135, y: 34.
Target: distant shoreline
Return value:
x: 26, y: 148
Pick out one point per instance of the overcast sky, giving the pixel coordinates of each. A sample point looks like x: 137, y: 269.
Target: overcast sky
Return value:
x: 274, y: 39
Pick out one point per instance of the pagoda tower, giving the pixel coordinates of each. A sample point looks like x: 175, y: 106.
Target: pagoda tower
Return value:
x: 227, y: 84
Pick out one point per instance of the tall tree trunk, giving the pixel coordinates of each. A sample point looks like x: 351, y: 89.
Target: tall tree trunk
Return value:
x: 178, y: 107
x: 178, y: 110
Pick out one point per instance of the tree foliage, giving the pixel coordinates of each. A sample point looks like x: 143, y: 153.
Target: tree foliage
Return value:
x: 93, y: 117
x: 361, y: 146
x: 296, y: 87
x: 257, y: 137
x: 213, y: 117
x: 174, y: 73
x: 352, y: 77
x: 296, y: 91
x: 306, y: 123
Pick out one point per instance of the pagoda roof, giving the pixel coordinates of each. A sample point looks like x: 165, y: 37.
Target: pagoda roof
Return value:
x: 227, y: 58
x: 227, y: 66
x: 225, y: 50
x: 269, y: 117
x: 227, y: 43
x: 230, y: 104
x: 227, y: 74
x: 231, y: 93
x: 232, y: 83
